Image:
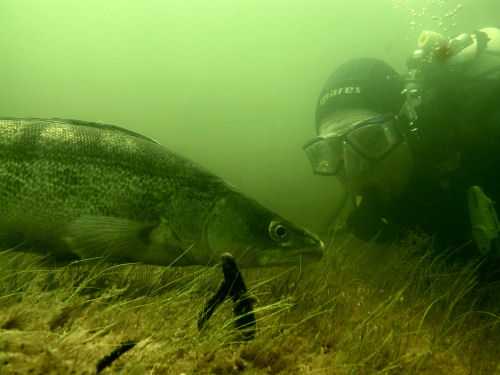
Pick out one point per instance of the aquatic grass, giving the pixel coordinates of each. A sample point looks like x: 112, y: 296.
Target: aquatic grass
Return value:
x: 364, y: 309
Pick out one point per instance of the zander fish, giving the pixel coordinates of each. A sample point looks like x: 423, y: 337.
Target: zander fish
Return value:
x: 79, y: 190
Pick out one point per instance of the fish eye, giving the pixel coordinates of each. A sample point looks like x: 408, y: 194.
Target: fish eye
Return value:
x: 278, y: 231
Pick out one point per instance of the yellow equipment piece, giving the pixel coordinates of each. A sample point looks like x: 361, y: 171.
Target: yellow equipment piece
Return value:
x: 484, y: 220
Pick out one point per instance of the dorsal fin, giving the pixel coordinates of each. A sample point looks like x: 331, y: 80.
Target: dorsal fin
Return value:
x: 98, y: 125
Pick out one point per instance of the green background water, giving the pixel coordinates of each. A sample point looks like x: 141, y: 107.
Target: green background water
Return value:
x: 231, y: 84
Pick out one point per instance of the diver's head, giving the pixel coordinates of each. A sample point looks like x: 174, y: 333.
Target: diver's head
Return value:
x: 358, y: 138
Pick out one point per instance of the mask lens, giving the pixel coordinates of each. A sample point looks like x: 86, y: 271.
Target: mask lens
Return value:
x: 374, y: 141
x: 324, y: 155
x: 353, y: 163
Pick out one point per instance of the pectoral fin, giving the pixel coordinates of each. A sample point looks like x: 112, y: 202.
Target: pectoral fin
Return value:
x: 122, y: 240
x: 99, y: 236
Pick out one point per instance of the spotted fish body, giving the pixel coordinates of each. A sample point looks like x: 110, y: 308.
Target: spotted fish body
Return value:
x: 83, y: 190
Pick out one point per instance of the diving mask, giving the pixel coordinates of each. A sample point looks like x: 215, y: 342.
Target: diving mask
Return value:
x: 373, y: 139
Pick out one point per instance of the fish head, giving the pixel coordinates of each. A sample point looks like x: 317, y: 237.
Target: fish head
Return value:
x: 255, y: 236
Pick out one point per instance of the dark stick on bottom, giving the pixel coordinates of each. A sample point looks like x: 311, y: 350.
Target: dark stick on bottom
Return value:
x: 213, y: 303
x: 108, y: 359
x: 233, y: 286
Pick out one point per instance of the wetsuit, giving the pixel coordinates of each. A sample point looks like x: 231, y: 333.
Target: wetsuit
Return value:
x: 457, y: 145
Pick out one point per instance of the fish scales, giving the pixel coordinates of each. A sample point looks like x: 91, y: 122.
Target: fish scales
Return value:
x: 78, y: 170
x: 79, y: 189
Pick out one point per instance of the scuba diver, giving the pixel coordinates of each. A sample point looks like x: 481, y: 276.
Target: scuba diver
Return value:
x: 417, y: 153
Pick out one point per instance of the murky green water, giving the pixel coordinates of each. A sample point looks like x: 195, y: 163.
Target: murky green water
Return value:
x: 230, y: 84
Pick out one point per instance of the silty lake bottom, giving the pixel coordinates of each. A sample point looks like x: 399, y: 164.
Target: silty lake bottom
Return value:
x: 364, y: 308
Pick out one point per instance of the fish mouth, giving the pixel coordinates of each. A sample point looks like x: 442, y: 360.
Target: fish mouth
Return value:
x: 291, y: 257
x: 309, y: 255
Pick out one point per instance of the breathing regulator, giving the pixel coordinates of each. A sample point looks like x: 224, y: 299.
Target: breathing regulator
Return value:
x: 437, y: 58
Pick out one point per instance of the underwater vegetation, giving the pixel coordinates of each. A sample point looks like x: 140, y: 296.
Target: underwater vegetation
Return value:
x: 363, y: 309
